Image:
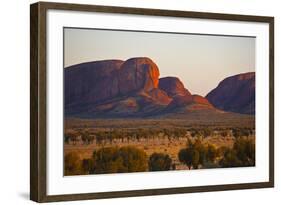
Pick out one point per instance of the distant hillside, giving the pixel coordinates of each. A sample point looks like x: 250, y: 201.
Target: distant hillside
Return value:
x: 132, y: 88
x: 235, y: 94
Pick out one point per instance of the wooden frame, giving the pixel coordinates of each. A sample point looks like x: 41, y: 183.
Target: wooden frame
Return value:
x: 38, y: 101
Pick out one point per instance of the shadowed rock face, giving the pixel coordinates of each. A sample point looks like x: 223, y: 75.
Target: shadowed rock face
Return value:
x: 132, y: 88
x: 182, y: 99
x: 101, y: 80
x: 105, y: 87
x: 235, y: 94
x: 173, y: 86
x: 160, y: 96
x: 91, y: 82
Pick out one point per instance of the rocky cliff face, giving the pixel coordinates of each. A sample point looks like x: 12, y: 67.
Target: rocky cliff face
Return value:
x: 235, y: 94
x: 101, y: 80
x: 91, y: 82
x: 104, y: 87
x: 132, y: 88
x: 173, y: 87
x: 138, y: 74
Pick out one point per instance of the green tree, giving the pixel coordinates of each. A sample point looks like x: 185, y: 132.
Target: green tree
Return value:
x: 245, y: 150
x: 195, y: 158
x: 134, y: 159
x: 230, y: 159
x: 159, y: 162
x: 242, y: 154
x: 190, y: 157
x: 200, y: 148
x: 118, y: 160
x: 197, y: 153
x: 212, y: 153
x: 106, y: 160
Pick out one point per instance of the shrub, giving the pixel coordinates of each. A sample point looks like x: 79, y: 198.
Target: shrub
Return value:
x: 194, y: 133
x: 242, y: 132
x: 87, y: 164
x: 85, y: 137
x: 72, y: 164
x: 201, y: 149
x: 106, y: 160
x: 66, y: 139
x: 221, y: 151
x: 224, y: 133
x: 189, y: 157
x: 207, y: 132
x: 134, y: 159
x: 195, y: 158
x: 196, y: 153
x: 212, y: 153
x: 179, y: 132
x: 185, y: 157
x: 236, y: 133
x: 159, y: 162
x: 230, y: 159
x: 71, y: 136
x: 118, y: 160
x: 245, y: 150
x: 242, y: 154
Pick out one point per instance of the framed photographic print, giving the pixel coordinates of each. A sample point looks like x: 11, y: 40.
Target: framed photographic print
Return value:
x: 134, y: 102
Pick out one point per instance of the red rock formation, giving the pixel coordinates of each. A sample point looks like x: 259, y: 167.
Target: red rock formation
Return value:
x: 115, y: 88
x: 91, y: 82
x: 179, y: 101
x: 136, y: 74
x: 200, y: 100
x: 235, y: 94
x: 173, y: 86
x: 159, y: 96
x: 97, y: 81
x: 181, y: 96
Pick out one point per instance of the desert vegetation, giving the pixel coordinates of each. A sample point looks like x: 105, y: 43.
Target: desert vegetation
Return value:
x: 198, y: 155
x: 103, y: 150
x: 159, y: 162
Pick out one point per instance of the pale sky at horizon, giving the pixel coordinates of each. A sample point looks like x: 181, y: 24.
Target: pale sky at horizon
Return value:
x: 199, y: 61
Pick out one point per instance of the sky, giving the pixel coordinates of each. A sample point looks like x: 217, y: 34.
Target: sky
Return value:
x: 199, y: 61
